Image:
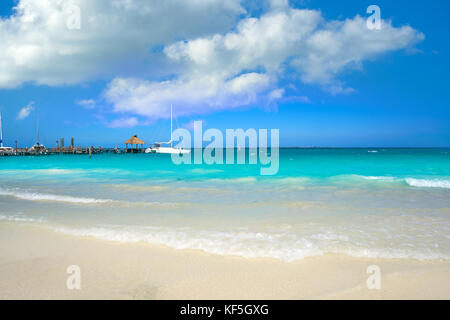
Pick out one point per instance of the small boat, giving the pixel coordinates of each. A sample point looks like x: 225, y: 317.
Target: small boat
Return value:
x: 157, y: 148
x: 38, y: 149
x: 4, y: 151
x: 170, y: 150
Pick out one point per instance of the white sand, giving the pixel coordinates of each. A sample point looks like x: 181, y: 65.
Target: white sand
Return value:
x: 33, y: 263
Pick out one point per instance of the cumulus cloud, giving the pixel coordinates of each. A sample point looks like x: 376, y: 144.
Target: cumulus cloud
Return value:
x: 202, y: 94
x: 341, y: 45
x: 276, y: 94
x: 213, y: 74
x: 209, y: 59
x: 244, y: 66
x: 116, y: 37
x: 25, y: 111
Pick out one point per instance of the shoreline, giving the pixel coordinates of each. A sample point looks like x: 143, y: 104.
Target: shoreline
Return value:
x: 34, y: 260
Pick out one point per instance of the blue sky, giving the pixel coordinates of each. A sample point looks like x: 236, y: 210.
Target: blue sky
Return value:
x: 101, y: 84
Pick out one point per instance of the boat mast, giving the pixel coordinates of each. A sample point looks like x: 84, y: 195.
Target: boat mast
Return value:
x: 171, y: 114
x: 1, y: 131
x: 37, y: 126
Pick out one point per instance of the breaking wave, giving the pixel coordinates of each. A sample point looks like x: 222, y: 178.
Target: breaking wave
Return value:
x: 425, y: 183
x: 284, y: 246
x: 18, y: 218
x: 35, y: 196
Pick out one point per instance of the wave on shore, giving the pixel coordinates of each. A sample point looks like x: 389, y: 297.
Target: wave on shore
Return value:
x: 35, y: 196
x: 283, y: 246
x: 426, y: 183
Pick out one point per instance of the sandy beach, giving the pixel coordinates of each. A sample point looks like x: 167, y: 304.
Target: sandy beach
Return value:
x: 33, y: 263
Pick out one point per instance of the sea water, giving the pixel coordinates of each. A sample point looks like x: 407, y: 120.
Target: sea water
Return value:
x: 387, y: 203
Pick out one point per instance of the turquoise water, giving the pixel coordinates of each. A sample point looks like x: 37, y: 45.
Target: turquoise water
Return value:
x: 391, y: 203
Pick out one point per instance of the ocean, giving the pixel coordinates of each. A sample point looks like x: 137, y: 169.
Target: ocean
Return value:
x: 385, y: 203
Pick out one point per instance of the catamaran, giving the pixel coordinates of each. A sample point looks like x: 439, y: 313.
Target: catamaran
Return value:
x: 38, y: 148
x: 157, y: 148
x: 4, y: 150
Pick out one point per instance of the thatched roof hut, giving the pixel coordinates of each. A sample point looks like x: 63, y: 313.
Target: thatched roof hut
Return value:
x: 134, y: 140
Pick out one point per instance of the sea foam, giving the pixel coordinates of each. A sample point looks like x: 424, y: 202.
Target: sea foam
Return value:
x: 283, y: 246
x: 425, y: 183
x: 35, y: 196
x: 17, y: 218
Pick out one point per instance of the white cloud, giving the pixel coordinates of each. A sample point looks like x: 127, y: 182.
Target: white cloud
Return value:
x: 204, y: 94
x: 341, y: 45
x: 116, y: 37
x: 87, y: 103
x: 213, y: 74
x: 276, y: 94
x: 25, y: 111
x: 264, y: 42
x: 244, y: 66
x: 220, y: 64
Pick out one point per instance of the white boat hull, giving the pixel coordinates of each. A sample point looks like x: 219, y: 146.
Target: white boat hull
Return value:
x: 167, y: 150
x: 6, y: 151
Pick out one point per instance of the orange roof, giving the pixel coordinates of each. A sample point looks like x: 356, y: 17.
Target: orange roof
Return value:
x: 134, y: 140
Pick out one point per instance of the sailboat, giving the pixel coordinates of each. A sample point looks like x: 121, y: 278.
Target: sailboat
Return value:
x: 38, y: 148
x: 157, y: 148
x: 4, y: 150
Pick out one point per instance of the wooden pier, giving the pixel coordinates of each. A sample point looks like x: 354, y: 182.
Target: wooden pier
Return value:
x: 136, y: 146
x: 69, y: 151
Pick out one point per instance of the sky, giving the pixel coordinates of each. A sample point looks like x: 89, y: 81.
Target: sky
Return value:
x: 312, y: 69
